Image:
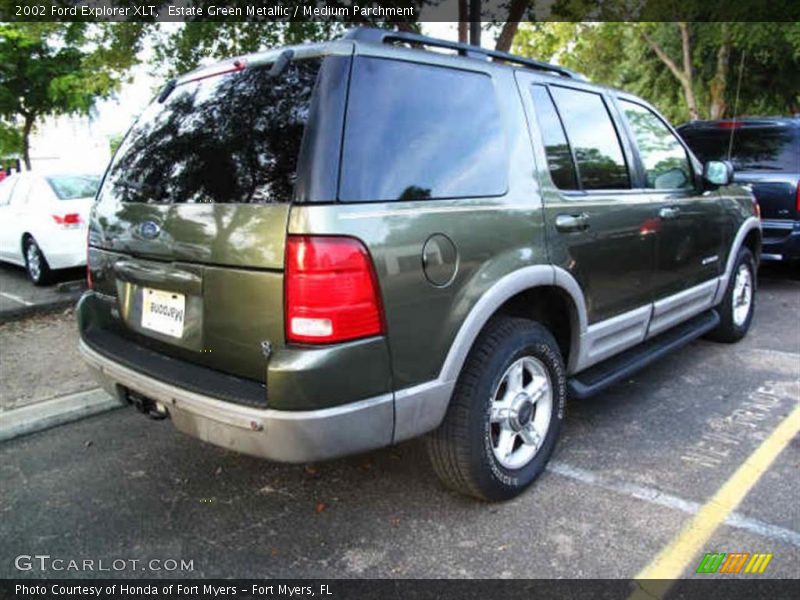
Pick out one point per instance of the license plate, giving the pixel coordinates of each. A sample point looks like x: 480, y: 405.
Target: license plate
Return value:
x: 163, y: 312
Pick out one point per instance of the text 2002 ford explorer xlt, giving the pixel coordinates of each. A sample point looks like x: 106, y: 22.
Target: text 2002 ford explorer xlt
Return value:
x: 321, y: 250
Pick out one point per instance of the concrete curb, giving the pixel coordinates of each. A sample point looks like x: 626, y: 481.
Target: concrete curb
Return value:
x: 50, y: 413
x: 23, y: 312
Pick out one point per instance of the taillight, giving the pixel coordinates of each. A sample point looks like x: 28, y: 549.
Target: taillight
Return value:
x: 797, y: 199
x: 332, y: 292
x: 68, y: 220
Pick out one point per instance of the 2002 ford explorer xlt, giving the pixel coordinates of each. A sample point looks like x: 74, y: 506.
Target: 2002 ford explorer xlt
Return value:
x: 330, y: 248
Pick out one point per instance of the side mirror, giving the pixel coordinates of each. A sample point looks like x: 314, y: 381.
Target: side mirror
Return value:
x: 718, y: 172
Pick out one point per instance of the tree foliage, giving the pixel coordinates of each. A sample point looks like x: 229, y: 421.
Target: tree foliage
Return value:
x: 647, y: 59
x: 184, y: 48
x: 49, y: 69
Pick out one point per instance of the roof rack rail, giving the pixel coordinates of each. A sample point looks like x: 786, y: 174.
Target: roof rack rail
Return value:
x: 384, y: 36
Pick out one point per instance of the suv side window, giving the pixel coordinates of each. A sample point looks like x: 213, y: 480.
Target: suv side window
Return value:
x: 559, y: 155
x: 593, y: 138
x: 418, y: 131
x: 664, y: 159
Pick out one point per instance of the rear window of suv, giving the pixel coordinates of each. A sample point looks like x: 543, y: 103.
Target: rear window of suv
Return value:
x: 231, y: 138
x: 418, y: 131
x: 754, y: 148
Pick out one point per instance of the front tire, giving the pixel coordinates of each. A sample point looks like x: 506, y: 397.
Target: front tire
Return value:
x: 505, y: 415
x: 738, y: 304
x: 35, y: 263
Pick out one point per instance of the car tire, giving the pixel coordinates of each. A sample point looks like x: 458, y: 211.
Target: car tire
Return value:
x: 738, y: 305
x: 512, y: 386
x: 35, y: 263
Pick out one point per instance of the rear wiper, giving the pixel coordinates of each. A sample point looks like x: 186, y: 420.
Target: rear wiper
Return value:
x: 280, y: 64
x: 167, y: 90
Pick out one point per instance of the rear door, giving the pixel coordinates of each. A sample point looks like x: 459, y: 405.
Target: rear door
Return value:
x: 598, y: 226
x: 189, y: 229
x: 6, y: 188
x: 690, y: 225
x: 15, y: 215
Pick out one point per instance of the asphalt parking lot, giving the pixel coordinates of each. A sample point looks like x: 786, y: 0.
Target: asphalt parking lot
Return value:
x: 19, y: 297
x: 633, y: 467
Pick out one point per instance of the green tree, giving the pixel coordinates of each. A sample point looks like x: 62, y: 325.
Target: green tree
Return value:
x: 183, y: 49
x: 50, y: 69
x: 689, y: 70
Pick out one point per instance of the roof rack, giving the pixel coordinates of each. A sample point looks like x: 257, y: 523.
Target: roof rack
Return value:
x: 387, y: 36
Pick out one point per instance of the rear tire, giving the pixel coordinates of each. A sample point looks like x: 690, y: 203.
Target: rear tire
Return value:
x: 35, y: 263
x: 505, y: 415
x: 738, y: 305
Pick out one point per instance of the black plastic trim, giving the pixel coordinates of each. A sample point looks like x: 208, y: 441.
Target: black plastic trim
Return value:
x: 180, y: 373
x: 597, y: 378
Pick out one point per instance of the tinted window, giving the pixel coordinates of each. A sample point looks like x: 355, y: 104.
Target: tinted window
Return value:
x: 591, y: 133
x: 69, y: 187
x: 754, y: 148
x: 664, y: 158
x: 559, y: 157
x: 231, y: 138
x: 419, y: 131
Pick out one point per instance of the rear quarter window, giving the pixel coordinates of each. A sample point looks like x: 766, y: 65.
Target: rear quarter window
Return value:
x: 417, y: 131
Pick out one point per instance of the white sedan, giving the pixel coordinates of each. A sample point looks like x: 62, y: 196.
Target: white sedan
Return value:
x: 43, y: 221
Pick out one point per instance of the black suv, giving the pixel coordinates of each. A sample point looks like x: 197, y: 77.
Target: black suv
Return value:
x: 766, y: 155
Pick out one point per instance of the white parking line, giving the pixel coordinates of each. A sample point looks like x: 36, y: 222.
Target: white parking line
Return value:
x: 16, y: 298
x: 655, y: 496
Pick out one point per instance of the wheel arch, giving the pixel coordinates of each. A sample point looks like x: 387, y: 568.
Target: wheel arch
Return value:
x: 526, y: 292
x: 749, y: 235
x: 422, y: 408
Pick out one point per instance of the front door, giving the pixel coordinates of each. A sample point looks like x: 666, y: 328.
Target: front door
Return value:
x: 599, y: 228
x: 690, y: 223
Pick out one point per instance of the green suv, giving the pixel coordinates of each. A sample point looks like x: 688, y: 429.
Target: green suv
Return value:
x: 326, y: 249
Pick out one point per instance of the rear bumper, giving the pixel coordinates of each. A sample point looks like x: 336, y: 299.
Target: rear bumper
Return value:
x: 781, y: 240
x: 286, y: 436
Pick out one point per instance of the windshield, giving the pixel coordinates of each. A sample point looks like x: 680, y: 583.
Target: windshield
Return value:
x: 71, y: 187
x: 754, y: 149
x: 232, y: 138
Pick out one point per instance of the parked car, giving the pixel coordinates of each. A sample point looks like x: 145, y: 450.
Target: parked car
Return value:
x: 765, y: 152
x: 43, y: 221
x: 318, y: 251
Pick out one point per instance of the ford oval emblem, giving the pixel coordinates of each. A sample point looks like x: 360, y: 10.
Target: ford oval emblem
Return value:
x: 149, y: 230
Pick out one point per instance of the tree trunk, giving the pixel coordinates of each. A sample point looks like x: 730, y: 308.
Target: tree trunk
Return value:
x: 475, y: 22
x: 27, y: 127
x: 515, y: 13
x: 688, y: 85
x: 683, y: 75
x: 719, y: 83
x: 463, y: 19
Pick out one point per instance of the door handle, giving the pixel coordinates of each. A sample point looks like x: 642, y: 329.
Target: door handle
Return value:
x: 669, y: 212
x: 570, y: 223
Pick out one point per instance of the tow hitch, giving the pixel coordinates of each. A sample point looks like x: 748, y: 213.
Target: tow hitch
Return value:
x: 147, y: 406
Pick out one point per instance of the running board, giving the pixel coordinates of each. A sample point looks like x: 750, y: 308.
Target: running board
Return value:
x: 595, y: 379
